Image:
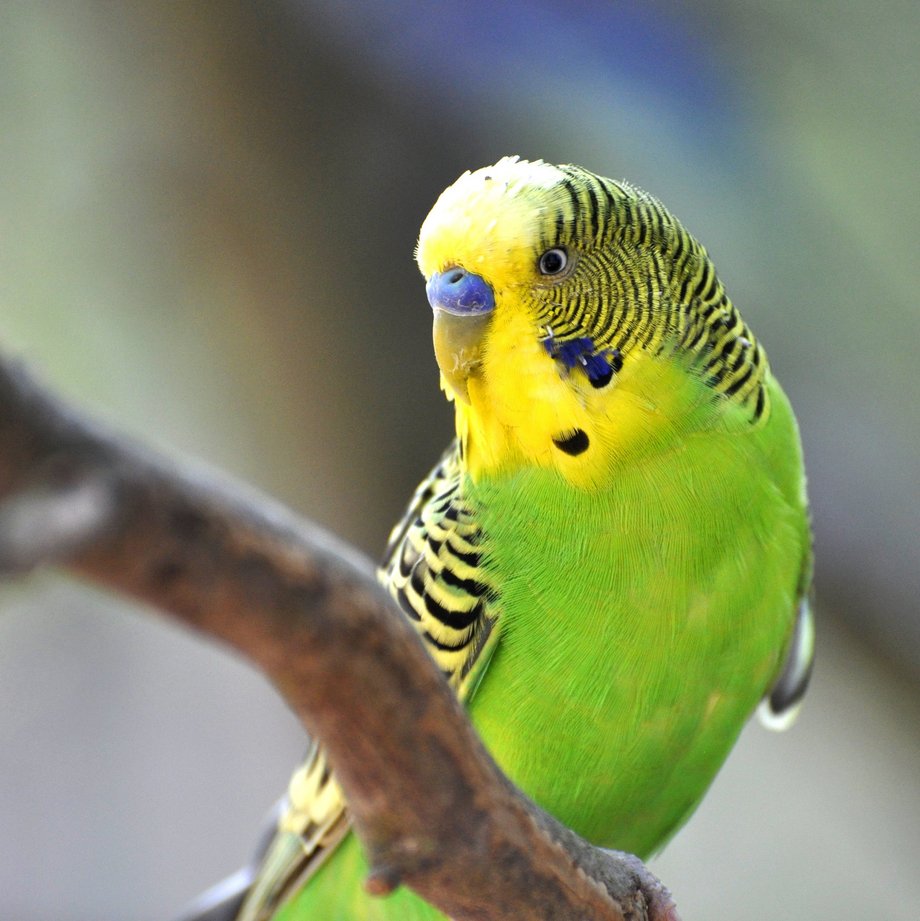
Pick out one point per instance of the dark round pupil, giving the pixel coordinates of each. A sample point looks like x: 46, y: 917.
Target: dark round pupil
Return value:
x: 552, y: 261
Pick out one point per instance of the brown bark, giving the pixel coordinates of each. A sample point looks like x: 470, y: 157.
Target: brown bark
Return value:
x: 431, y: 807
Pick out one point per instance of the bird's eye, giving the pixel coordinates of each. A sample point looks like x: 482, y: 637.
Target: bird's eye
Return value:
x: 553, y: 261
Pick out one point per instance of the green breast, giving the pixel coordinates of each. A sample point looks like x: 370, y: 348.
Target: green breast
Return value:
x: 640, y: 625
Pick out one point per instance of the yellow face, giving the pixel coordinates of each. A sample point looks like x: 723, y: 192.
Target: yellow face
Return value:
x: 537, y: 373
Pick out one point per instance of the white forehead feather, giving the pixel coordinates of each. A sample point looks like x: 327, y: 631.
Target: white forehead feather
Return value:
x: 503, y: 178
x: 467, y: 210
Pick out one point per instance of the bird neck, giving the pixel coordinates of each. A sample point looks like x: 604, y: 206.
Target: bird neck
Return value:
x: 525, y: 411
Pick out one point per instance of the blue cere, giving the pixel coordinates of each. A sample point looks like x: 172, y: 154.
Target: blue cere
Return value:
x: 460, y: 292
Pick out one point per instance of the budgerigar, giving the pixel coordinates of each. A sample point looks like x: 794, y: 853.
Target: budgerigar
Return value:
x: 611, y: 561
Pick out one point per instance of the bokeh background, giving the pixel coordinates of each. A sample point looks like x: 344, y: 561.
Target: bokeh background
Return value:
x: 207, y: 215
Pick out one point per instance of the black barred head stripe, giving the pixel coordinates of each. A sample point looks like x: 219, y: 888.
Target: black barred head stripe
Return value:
x: 643, y: 282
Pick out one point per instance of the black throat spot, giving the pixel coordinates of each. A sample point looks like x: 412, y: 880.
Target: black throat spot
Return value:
x: 573, y: 443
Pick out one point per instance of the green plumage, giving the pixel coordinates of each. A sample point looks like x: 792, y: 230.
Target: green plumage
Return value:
x: 608, y: 564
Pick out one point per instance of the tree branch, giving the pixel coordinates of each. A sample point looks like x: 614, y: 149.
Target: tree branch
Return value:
x: 431, y: 807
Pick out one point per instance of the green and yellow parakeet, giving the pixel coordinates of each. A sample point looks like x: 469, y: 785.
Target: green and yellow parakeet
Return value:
x: 610, y: 563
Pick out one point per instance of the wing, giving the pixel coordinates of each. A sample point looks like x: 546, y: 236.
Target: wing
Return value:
x: 780, y: 707
x: 433, y: 567
x: 314, y: 820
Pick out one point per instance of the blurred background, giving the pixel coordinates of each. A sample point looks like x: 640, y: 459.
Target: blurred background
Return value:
x: 207, y: 217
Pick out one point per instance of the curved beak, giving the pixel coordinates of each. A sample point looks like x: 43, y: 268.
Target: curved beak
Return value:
x: 462, y: 303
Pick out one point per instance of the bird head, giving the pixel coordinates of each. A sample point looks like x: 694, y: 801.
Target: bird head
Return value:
x: 574, y: 319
